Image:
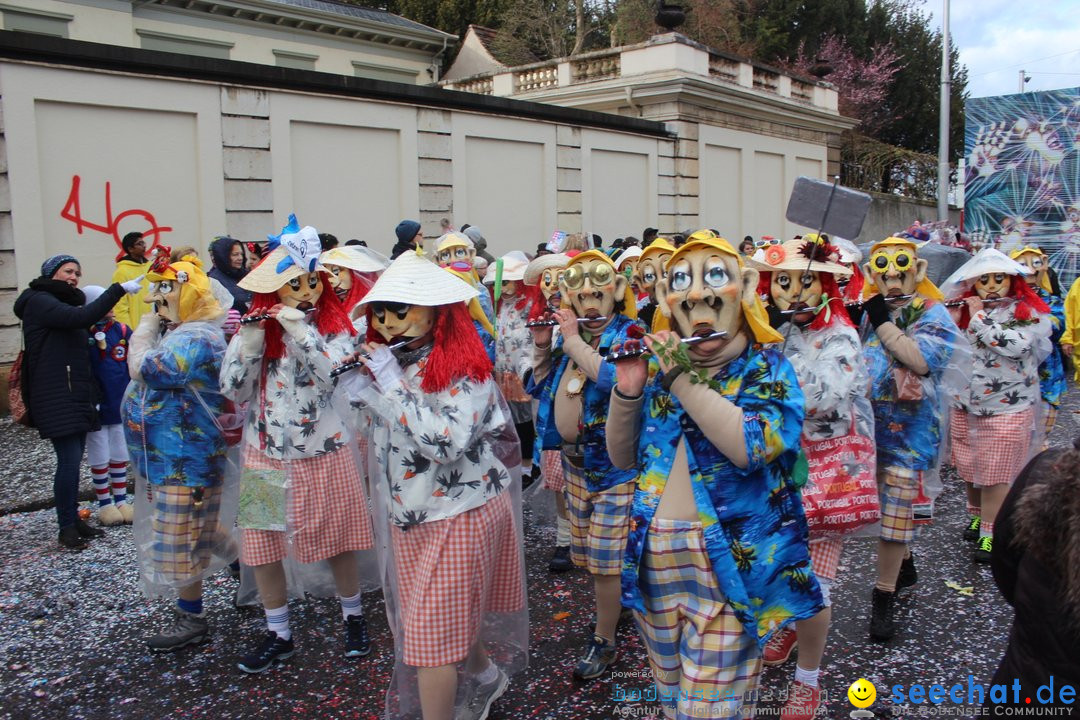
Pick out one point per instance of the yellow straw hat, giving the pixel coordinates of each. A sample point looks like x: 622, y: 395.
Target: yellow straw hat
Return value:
x: 926, y: 288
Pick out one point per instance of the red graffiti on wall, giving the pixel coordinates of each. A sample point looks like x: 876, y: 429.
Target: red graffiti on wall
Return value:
x: 72, y: 212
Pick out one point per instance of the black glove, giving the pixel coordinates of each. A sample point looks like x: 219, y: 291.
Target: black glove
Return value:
x: 776, y: 318
x: 876, y: 309
x: 855, y: 312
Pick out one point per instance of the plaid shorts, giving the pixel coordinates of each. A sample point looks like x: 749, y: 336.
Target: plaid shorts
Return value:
x: 1050, y: 419
x: 551, y: 467
x: 599, y: 523
x: 450, y: 573
x: 327, y: 511
x: 184, y: 538
x: 703, y: 661
x: 898, y: 488
x: 991, y: 450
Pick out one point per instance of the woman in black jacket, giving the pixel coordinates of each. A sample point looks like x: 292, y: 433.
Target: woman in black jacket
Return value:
x: 58, y: 388
x: 230, y: 266
x: 1036, y: 563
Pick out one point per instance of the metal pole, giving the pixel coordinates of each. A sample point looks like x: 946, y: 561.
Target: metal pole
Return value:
x: 1022, y: 81
x: 943, y: 126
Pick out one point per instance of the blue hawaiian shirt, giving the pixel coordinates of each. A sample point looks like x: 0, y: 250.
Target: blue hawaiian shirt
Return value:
x: 1052, y: 370
x: 753, y: 522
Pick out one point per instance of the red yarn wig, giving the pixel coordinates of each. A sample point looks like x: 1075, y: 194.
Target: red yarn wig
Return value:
x: 1027, y: 302
x: 829, y: 288
x: 456, y: 353
x: 361, y: 283
x: 331, y: 318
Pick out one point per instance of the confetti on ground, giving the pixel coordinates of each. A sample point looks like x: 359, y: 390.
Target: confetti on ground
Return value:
x: 967, y: 590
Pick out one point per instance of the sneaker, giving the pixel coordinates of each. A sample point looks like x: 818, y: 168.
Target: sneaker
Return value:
x: 109, y: 515
x: 803, y: 702
x: 186, y: 629
x: 357, y: 643
x: 273, y: 649
x: 127, y: 511
x: 479, y: 702
x: 971, y: 532
x: 533, y: 476
x: 882, y: 620
x: 984, y: 549
x: 908, y: 575
x: 70, y: 538
x: 598, y: 657
x: 778, y: 649
x: 87, y: 531
x: 560, y: 559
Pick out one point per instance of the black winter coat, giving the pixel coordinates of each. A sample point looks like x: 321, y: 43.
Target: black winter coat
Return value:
x: 58, y: 387
x: 1045, y: 635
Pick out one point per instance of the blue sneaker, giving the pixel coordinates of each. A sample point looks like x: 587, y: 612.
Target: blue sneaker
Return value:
x: 598, y: 657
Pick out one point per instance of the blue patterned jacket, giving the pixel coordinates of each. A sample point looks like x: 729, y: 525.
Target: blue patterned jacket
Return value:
x: 1052, y: 371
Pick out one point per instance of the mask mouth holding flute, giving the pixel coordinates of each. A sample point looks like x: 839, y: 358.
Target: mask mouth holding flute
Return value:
x: 896, y: 271
x: 595, y: 291
x: 801, y: 278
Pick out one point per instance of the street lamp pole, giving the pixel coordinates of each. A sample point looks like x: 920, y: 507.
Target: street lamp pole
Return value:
x: 943, y: 127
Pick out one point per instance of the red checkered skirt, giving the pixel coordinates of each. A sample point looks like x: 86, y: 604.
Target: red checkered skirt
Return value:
x: 327, y: 513
x: 991, y: 449
x: 825, y: 556
x: 551, y: 467
x: 449, y: 574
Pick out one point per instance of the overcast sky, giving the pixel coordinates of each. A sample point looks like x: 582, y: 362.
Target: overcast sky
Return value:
x: 998, y: 38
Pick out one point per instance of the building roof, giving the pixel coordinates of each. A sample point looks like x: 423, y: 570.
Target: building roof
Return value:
x: 359, y: 12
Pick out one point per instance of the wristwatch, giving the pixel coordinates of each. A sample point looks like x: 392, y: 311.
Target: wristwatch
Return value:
x: 670, y: 377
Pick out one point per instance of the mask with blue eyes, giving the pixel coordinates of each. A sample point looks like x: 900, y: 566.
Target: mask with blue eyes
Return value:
x: 703, y: 293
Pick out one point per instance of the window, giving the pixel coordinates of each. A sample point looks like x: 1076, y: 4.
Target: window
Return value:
x: 40, y: 22
x: 382, y: 72
x: 298, y: 61
x: 165, y: 42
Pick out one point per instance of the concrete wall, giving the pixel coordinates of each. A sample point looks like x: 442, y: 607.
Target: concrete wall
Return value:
x: 890, y: 214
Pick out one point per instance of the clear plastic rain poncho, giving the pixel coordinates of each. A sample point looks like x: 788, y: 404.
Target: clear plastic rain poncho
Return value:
x: 185, y: 475
x: 446, y: 482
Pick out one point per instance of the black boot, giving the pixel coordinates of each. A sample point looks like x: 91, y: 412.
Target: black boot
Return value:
x: 70, y: 538
x: 87, y: 531
x: 907, y: 576
x: 882, y: 620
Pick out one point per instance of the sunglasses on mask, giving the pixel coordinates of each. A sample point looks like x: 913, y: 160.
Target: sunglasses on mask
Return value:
x: 574, y: 277
x: 901, y: 262
x: 379, y: 309
x: 766, y: 242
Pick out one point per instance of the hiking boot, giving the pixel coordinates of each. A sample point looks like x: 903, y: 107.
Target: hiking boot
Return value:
x: 186, y: 629
x: 908, y: 575
x: 971, y: 532
x: 598, y: 657
x: 479, y: 703
x: 127, y: 511
x: 273, y: 650
x: 882, y: 620
x: 357, y: 643
x: 87, y: 531
x: 109, y: 515
x: 70, y: 538
x: 803, y: 702
x: 984, y: 549
x: 778, y: 649
x: 560, y: 559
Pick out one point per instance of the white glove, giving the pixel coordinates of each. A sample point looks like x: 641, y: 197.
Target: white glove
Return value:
x: 133, y: 286
x: 292, y: 321
x: 384, y: 366
x: 354, y: 382
x: 251, y: 338
x: 232, y: 322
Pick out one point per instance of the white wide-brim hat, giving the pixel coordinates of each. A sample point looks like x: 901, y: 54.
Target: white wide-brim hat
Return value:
x: 514, y: 264
x: 789, y: 256
x: 412, y: 280
x: 265, y: 278
x: 987, y: 260
x: 628, y: 254
x: 539, y: 264
x: 356, y: 257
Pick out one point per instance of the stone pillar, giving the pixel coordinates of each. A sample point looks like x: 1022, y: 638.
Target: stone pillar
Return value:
x: 10, y: 330
x: 435, y: 170
x: 568, y: 182
x: 245, y: 134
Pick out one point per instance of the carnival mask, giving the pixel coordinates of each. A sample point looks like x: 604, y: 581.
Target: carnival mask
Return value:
x: 166, y: 298
x: 549, y: 286
x: 398, y: 321
x: 992, y: 286
x: 651, y: 271
x: 302, y: 292
x: 455, y: 253
x: 795, y: 290
x: 593, y: 287
x: 1039, y: 267
x: 341, y: 279
x: 509, y: 288
x: 896, y: 270
x: 703, y: 294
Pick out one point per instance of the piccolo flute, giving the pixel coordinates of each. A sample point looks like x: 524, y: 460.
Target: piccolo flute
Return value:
x: 640, y: 350
x: 553, y: 323
x: 265, y: 316
x: 345, y: 367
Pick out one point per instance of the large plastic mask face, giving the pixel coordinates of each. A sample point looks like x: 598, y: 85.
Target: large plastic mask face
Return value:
x: 341, y: 279
x: 992, y: 286
x: 796, y: 289
x: 895, y: 270
x: 703, y: 294
x: 549, y: 286
x: 592, y: 287
x: 166, y: 298
x: 398, y: 321
x: 651, y: 271
x: 509, y: 288
x: 1038, y: 265
x: 302, y: 292
x: 456, y: 253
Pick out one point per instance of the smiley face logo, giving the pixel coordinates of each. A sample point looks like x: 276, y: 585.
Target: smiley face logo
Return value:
x: 862, y: 693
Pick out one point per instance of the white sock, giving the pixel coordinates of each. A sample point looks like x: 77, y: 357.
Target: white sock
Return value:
x: 487, y: 675
x: 806, y: 677
x: 277, y: 621
x: 352, y: 605
x: 562, y: 535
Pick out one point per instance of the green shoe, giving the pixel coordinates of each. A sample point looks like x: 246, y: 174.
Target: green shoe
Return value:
x: 983, y: 550
x: 971, y: 532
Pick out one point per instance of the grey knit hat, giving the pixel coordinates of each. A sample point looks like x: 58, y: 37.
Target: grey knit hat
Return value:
x: 50, y: 266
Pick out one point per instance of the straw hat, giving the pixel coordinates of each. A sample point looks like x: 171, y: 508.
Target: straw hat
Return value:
x: 412, y: 280
x: 294, y: 251
x: 987, y: 260
x: 356, y: 257
x: 514, y: 264
x: 796, y: 254
x: 536, y: 268
x: 629, y: 253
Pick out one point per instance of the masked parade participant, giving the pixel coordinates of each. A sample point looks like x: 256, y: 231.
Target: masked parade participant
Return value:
x: 352, y: 270
x: 301, y: 493
x: 800, y: 278
x: 717, y: 560
x: 544, y: 272
x: 917, y: 359
x: 627, y: 263
x: 185, y: 508
x: 572, y: 380
x: 994, y: 428
x: 447, y: 495
x: 1052, y: 384
x: 484, y: 328
x: 456, y: 247
x: 650, y: 271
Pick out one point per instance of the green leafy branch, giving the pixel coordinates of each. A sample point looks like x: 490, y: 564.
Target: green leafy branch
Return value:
x: 674, y: 353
